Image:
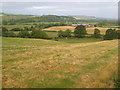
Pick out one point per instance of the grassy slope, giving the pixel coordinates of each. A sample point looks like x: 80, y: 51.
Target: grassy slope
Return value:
x: 44, y: 63
x: 9, y: 17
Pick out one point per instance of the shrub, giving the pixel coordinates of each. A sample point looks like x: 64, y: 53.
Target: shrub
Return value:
x: 66, y: 33
x: 60, y: 33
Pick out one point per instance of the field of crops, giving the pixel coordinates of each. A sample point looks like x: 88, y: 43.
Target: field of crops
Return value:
x: 37, y: 63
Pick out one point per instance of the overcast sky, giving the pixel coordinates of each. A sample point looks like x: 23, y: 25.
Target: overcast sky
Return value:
x: 97, y: 9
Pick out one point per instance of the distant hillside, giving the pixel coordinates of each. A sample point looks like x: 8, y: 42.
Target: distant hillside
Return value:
x: 14, y: 19
x: 55, y: 18
x: 11, y: 19
x: 85, y: 17
x: 7, y: 17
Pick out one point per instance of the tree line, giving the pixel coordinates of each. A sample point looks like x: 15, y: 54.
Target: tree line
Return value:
x: 79, y: 32
x: 40, y: 26
x: 25, y: 34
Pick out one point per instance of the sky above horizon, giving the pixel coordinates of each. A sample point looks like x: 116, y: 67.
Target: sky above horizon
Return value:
x: 97, y: 9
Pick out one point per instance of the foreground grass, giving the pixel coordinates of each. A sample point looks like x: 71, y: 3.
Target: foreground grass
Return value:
x: 36, y: 63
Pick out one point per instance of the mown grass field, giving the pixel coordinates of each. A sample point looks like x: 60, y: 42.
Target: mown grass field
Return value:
x: 37, y: 63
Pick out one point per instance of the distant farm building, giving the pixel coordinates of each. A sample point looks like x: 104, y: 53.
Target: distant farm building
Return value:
x: 87, y: 25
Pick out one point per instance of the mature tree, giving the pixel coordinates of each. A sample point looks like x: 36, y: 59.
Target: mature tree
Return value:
x: 80, y: 31
x: 110, y: 34
x: 67, y: 33
x: 24, y: 34
x: 96, y: 33
x: 39, y: 34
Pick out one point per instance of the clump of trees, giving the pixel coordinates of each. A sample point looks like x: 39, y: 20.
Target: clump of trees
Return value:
x: 66, y: 33
x: 111, y: 34
x: 38, y: 34
x: 24, y: 34
x: 80, y: 31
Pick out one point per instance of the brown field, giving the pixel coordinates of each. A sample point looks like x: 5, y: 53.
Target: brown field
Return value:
x: 57, y: 28
x: 90, y: 30
x: 36, y: 63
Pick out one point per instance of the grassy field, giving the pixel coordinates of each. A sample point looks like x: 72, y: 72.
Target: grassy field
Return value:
x: 52, y: 34
x: 79, y: 40
x: 90, y: 30
x: 9, y: 27
x: 37, y: 63
x: 9, y: 17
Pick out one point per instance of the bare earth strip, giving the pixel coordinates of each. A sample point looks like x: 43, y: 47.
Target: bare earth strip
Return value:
x: 61, y: 65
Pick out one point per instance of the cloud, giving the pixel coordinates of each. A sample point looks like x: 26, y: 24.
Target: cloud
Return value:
x: 59, y: 0
x: 42, y: 7
x: 101, y: 9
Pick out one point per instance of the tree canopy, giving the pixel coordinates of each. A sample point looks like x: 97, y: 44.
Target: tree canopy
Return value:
x: 110, y: 34
x: 80, y: 31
